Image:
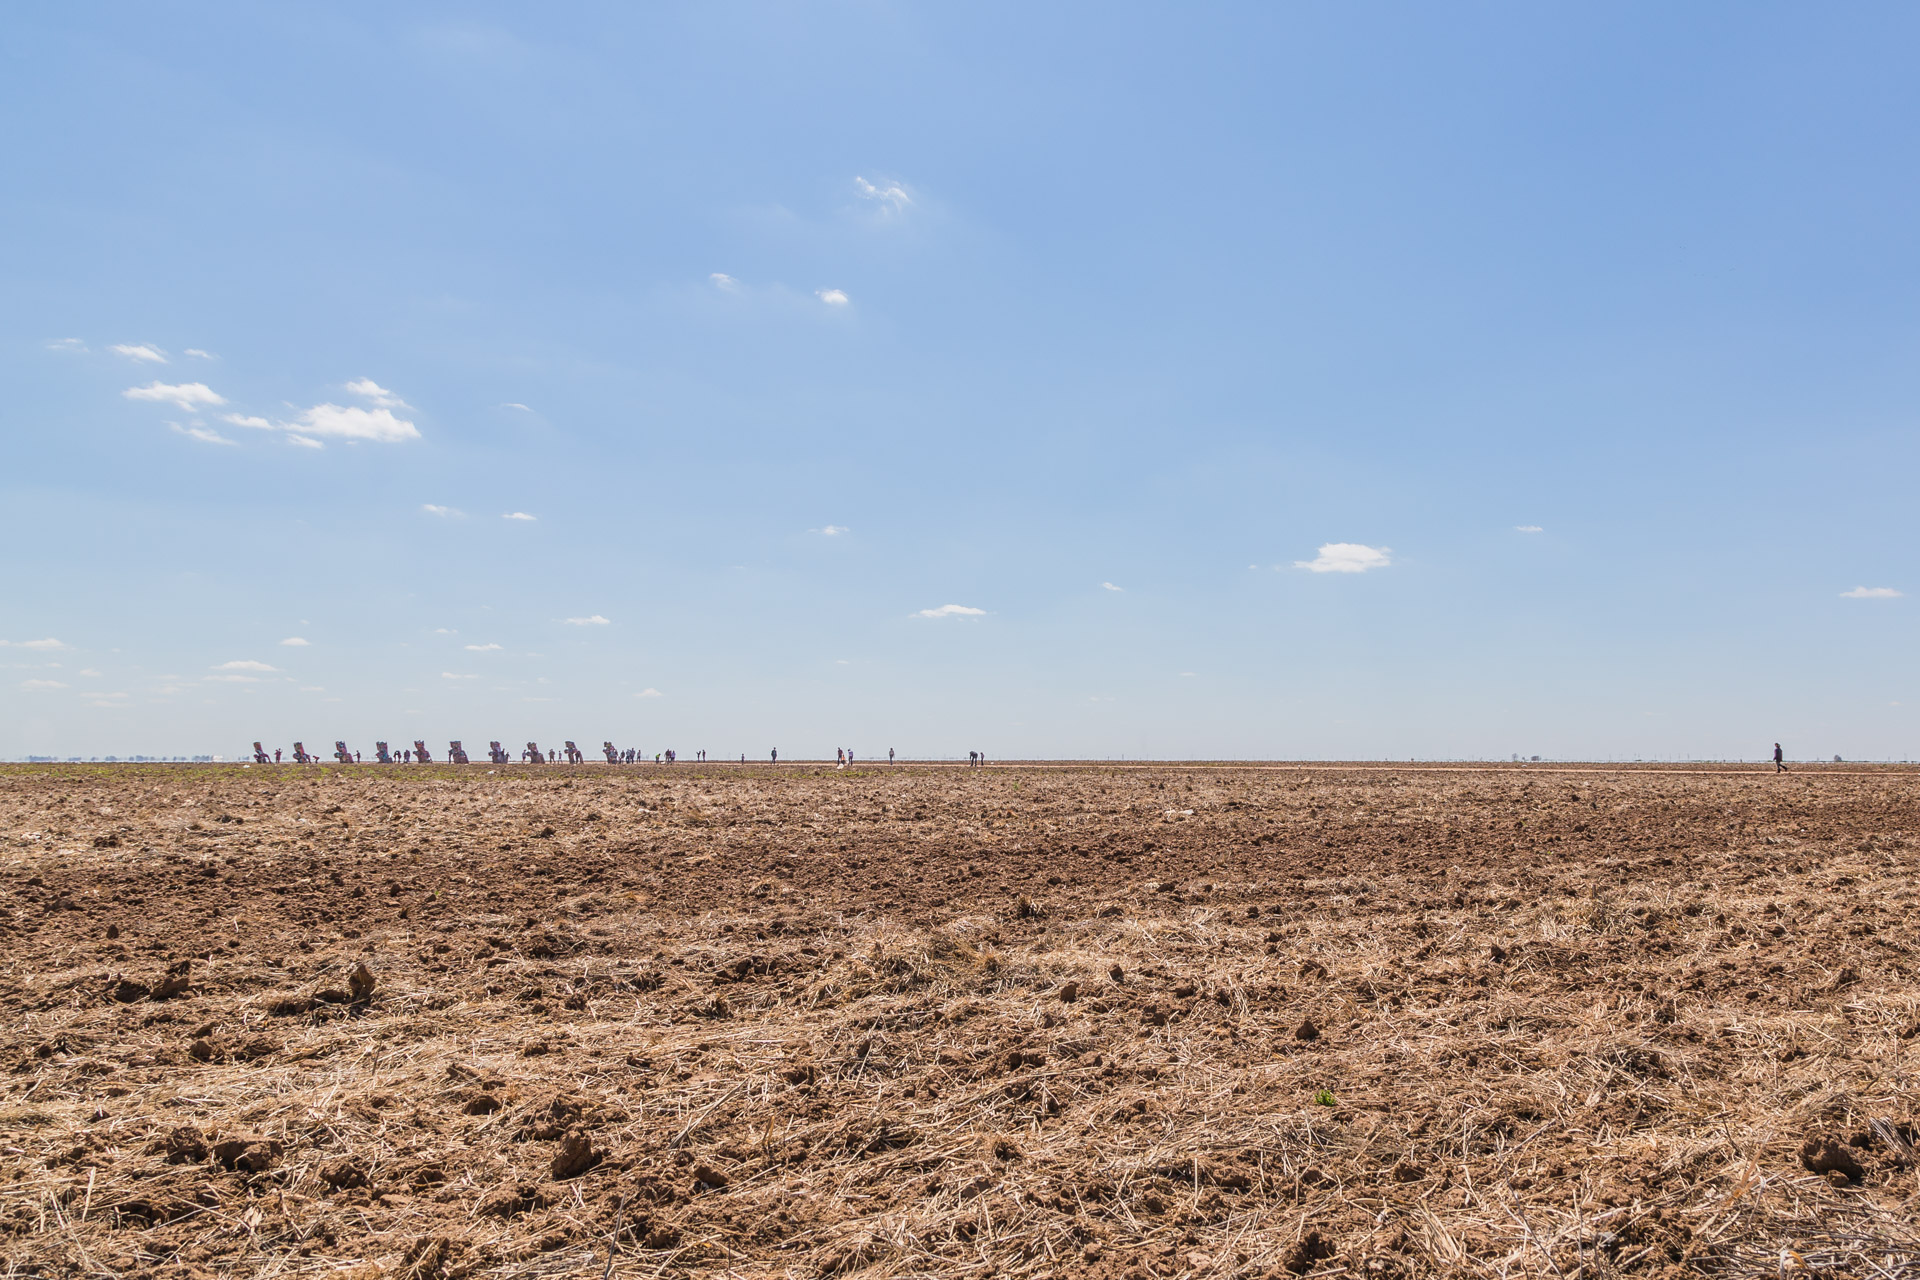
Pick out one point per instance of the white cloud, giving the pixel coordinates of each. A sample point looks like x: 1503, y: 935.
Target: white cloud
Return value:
x: 515, y: 404
x: 66, y: 344
x: 186, y: 395
x: 48, y: 643
x: 832, y: 530
x: 41, y: 684
x: 313, y: 688
x: 243, y: 420
x: 1189, y: 673
x: 1527, y: 528
x: 594, y: 621
x: 518, y: 515
x: 295, y: 642
x: 206, y: 435
x: 832, y: 297
x: 1108, y: 586
x: 140, y: 351
x: 721, y: 280
x: 435, y: 509
x: 354, y: 423
x: 445, y: 631
x: 1346, y: 557
x: 649, y: 693
x: 483, y: 648
x: 1870, y: 593
x: 236, y: 679
x: 951, y: 611
x: 373, y: 391
x: 243, y: 664
x: 198, y: 354
x: 305, y: 442
x: 890, y: 194
x: 89, y: 671
x: 454, y: 675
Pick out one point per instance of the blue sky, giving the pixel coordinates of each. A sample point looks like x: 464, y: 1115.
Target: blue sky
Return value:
x: 1577, y: 347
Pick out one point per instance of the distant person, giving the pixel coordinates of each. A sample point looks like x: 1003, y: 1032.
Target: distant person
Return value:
x: 356, y: 757
x: 972, y: 756
x: 775, y: 755
x: 889, y: 755
x: 276, y: 755
x: 1779, y: 759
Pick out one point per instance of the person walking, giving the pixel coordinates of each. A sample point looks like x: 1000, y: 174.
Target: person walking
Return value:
x: 1779, y: 759
x: 775, y: 755
x: 889, y: 755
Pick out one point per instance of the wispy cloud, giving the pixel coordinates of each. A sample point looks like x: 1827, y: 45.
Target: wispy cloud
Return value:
x: 832, y: 530
x: 483, y: 648
x: 649, y: 693
x: 48, y: 643
x: 1346, y: 557
x: 1527, y: 528
x: 832, y: 297
x: 243, y: 664
x: 721, y: 280
x: 594, y: 620
x: 1108, y: 586
x: 295, y: 642
x: 1870, y: 593
x: 66, y: 344
x: 518, y: 515
x: 350, y: 422
x: 309, y: 427
x: 198, y: 354
x: 89, y: 671
x: 185, y: 395
x: 236, y: 679
x: 371, y: 390
x: 435, y: 509
x: 455, y: 675
x: 889, y: 195
x: 515, y: 404
x: 206, y: 435
x: 445, y: 631
x: 38, y: 685
x: 951, y: 611
x: 140, y: 351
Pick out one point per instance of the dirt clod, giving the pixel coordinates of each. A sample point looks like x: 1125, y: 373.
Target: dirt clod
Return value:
x: 178, y: 980
x: 1822, y: 1153
x: 576, y: 1155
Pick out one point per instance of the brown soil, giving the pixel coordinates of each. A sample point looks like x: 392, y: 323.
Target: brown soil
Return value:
x: 1081, y: 1021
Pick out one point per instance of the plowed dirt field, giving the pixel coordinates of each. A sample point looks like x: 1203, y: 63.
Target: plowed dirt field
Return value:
x: 1149, y: 1021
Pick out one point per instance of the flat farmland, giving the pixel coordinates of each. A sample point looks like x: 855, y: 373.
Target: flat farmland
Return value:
x: 1062, y: 1020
